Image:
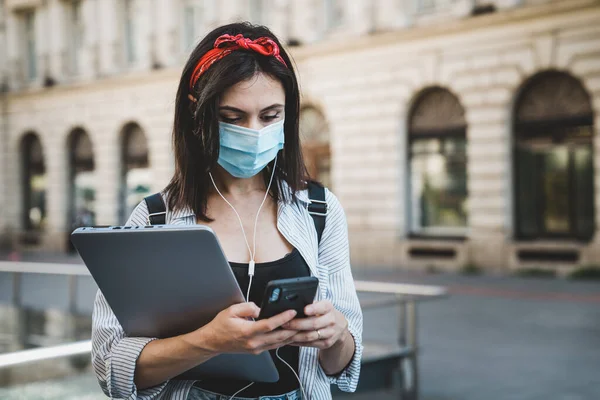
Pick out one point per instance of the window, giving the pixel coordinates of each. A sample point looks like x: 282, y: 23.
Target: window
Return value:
x: 437, y: 164
x: 334, y: 14
x: 75, y: 32
x: 129, y: 31
x: 256, y: 11
x: 82, y: 180
x: 29, y: 44
x: 34, y: 183
x: 192, y: 23
x: 314, y: 137
x: 135, y: 170
x: 553, y: 155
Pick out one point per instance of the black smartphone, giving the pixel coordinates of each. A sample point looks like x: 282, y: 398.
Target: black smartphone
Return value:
x: 288, y: 294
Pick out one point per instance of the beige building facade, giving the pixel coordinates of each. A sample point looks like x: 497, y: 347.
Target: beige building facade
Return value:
x: 453, y: 132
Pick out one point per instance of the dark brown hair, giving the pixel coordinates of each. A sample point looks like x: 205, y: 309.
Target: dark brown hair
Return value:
x: 196, y: 129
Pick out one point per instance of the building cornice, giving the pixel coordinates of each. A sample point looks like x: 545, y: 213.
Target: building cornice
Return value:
x: 575, y: 8
x: 101, y: 84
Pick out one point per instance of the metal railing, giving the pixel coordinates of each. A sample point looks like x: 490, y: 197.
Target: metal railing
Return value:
x: 404, y: 296
x: 21, y: 267
x: 45, y: 353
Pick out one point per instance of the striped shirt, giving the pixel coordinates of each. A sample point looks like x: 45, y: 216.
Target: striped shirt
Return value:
x: 114, y: 355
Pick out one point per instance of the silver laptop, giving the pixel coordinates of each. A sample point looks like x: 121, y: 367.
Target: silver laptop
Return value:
x: 162, y: 281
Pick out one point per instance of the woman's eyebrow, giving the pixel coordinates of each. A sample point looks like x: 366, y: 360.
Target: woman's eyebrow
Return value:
x: 234, y: 109
x: 229, y: 108
x: 272, y: 106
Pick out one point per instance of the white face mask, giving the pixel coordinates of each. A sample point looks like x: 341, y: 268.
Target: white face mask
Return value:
x: 245, y: 152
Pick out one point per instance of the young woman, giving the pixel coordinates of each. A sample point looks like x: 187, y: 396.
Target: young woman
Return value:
x: 239, y: 170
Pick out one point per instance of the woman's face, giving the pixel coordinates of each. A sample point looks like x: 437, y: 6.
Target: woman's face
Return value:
x: 253, y: 103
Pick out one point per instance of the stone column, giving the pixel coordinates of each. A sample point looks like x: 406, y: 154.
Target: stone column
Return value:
x: 12, y: 180
x: 486, y: 99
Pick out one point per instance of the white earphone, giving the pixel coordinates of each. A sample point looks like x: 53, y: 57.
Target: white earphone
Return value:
x: 251, y: 266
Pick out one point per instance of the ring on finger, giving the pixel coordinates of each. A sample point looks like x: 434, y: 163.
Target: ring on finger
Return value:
x: 318, y: 334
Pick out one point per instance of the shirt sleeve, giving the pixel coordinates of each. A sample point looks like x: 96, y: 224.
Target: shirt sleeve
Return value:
x: 334, y: 253
x: 114, y: 355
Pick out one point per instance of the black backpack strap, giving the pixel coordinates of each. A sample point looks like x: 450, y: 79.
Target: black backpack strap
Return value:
x: 317, y: 207
x: 157, y: 210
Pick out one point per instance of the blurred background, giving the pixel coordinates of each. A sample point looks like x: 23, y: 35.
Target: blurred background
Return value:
x: 461, y: 137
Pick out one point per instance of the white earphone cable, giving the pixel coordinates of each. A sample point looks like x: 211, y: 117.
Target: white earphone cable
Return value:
x: 252, y: 253
x: 292, y: 369
x: 241, y: 390
x: 252, y: 264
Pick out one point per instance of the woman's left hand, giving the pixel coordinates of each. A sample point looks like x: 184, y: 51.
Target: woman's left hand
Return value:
x: 322, y: 328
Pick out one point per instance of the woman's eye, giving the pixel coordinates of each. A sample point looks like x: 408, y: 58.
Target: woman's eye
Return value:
x: 229, y: 120
x: 270, y: 117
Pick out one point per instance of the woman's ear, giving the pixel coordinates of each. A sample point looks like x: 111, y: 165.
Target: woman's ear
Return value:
x: 192, y: 105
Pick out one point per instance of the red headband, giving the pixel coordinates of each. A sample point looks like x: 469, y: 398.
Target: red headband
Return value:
x: 226, y: 44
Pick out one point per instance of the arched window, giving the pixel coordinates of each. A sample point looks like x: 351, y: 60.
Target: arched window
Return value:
x: 135, y: 171
x: 553, y: 155
x: 437, y: 164
x: 314, y: 137
x: 82, y: 193
x: 34, y: 183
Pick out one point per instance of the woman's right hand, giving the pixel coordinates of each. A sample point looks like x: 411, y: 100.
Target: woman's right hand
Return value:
x: 231, y: 331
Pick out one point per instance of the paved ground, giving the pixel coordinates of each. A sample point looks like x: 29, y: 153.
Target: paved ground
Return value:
x: 503, y: 338
x: 81, y: 387
x: 493, y: 338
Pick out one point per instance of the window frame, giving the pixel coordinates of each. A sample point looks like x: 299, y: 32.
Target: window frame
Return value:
x: 550, y: 109
x: 31, y: 168
x: 29, y: 46
x: 131, y: 54
x: 524, y: 133
x: 79, y: 166
x: 257, y: 17
x: 333, y: 15
x: 75, y: 30
x: 316, y: 144
x: 187, y: 43
x: 130, y: 162
x: 454, y: 126
x: 415, y: 228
